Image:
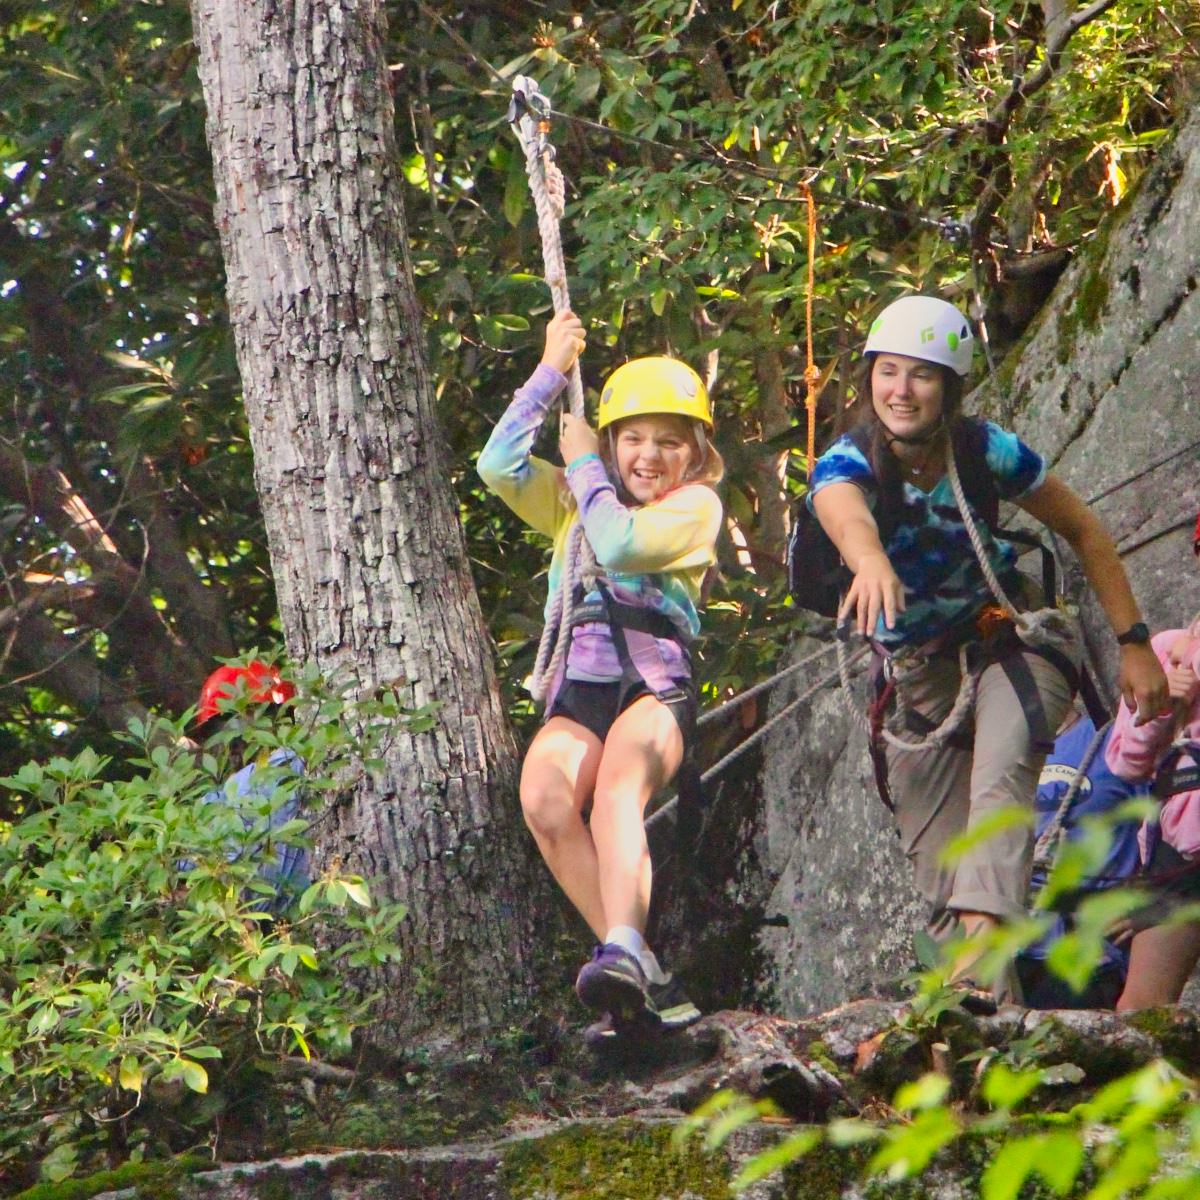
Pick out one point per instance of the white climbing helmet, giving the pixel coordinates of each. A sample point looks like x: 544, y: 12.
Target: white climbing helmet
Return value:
x: 924, y: 327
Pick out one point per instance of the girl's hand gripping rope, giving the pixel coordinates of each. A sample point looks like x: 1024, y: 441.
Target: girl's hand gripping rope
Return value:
x: 576, y: 438
x: 565, y: 341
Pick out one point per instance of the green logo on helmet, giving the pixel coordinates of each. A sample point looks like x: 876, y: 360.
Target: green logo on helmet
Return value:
x: 876, y: 324
x: 952, y: 340
x: 927, y: 334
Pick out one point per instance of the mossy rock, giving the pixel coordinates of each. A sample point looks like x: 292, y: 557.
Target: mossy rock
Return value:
x: 626, y: 1160
x: 151, y: 1180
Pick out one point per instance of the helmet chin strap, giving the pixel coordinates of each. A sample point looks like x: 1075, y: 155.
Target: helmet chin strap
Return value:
x: 931, y: 434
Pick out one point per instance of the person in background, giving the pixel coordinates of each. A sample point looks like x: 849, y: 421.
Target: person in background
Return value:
x: 253, y: 788
x: 1076, y: 765
x: 1165, y: 751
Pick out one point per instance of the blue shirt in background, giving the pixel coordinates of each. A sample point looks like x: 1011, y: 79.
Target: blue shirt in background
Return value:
x: 1100, y: 792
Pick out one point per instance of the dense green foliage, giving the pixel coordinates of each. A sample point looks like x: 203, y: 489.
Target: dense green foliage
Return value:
x: 116, y: 353
x: 133, y: 553
x: 696, y: 244
x: 143, y: 956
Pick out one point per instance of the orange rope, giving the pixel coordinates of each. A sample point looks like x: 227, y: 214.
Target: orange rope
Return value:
x: 812, y: 373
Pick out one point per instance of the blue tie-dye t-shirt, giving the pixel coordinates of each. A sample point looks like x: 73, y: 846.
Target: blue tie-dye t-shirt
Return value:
x: 930, y: 549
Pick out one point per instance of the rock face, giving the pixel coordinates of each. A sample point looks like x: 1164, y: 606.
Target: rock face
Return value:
x: 1105, y: 384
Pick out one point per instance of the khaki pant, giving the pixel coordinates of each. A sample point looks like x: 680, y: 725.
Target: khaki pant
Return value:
x: 940, y: 793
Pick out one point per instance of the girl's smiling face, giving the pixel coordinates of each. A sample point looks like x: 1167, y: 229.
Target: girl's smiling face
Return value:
x: 653, y: 454
x: 907, y: 393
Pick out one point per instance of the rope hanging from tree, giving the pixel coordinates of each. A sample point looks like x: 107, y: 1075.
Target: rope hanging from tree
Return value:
x: 812, y: 374
x: 528, y: 116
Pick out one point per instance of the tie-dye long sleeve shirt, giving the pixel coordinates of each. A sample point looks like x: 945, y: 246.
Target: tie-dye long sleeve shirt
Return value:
x: 653, y: 556
x: 930, y: 549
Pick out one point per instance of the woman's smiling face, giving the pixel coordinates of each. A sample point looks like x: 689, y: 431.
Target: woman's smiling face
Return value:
x: 653, y: 454
x: 906, y: 393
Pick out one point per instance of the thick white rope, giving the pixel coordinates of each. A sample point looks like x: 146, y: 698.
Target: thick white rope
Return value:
x: 548, y: 188
x: 1046, y: 849
x: 549, y: 199
x: 985, y: 564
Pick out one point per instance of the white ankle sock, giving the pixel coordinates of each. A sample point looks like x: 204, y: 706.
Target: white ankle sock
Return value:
x: 652, y: 967
x: 627, y: 938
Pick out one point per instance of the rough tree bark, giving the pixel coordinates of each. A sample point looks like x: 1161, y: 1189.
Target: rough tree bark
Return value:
x: 367, y: 550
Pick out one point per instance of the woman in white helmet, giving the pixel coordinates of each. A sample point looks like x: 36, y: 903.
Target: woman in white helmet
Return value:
x: 620, y: 702
x: 882, y: 495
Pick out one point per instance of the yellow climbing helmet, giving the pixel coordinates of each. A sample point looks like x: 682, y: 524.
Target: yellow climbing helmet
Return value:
x: 654, y: 385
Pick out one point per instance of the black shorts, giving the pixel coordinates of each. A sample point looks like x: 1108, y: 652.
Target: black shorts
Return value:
x: 596, y: 706
x: 1043, y: 989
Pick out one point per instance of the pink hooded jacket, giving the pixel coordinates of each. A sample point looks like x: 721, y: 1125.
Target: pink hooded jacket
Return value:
x: 1134, y: 751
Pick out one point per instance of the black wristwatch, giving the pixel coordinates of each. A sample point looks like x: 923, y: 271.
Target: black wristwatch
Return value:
x: 1137, y: 634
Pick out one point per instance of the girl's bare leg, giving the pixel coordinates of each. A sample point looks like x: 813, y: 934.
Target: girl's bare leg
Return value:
x: 641, y: 754
x: 557, y: 780
x: 1160, y: 961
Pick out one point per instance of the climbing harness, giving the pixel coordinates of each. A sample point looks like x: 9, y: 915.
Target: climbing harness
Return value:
x: 1170, y: 778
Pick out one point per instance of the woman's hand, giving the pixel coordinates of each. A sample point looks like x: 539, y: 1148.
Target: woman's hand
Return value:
x: 576, y: 438
x: 1142, y: 682
x: 876, y: 589
x: 565, y: 340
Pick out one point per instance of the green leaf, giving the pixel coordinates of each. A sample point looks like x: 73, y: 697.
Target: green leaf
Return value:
x: 1011, y: 816
x: 130, y: 1074
x: 1005, y: 1088
x: 929, y: 1090
x: 516, y: 198
x: 512, y: 321
x: 194, y: 1075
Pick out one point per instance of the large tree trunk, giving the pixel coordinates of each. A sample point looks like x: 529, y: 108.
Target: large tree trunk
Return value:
x: 368, y: 553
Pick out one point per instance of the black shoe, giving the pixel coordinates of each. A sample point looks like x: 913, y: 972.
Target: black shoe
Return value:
x: 607, y: 1034
x: 675, y: 1010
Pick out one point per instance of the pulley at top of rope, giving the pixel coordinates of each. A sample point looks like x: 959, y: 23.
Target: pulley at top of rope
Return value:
x: 528, y: 103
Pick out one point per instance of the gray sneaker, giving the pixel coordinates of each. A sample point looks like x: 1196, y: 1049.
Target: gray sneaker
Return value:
x: 614, y: 982
x: 672, y: 1010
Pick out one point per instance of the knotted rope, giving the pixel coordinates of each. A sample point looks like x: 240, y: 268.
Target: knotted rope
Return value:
x: 529, y: 117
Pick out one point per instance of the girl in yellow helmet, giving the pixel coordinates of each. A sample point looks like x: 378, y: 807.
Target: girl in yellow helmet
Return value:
x: 621, y: 706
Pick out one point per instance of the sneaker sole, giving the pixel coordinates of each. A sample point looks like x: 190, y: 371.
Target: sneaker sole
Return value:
x: 613, y: 992
x: 680, y: 1016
